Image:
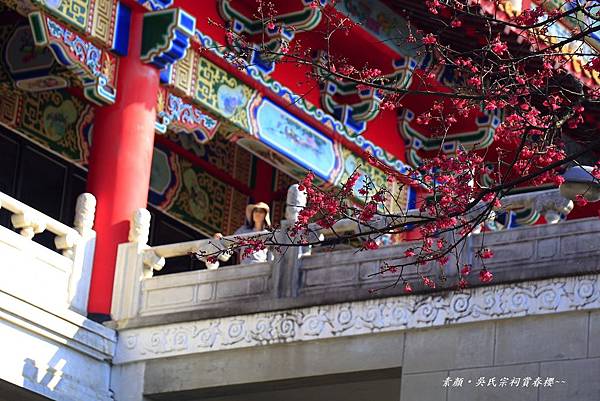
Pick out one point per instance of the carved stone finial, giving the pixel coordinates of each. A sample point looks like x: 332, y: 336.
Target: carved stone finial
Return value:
x: 212, y: 265
x: 553, y: 206
x: 84, y: 212
x: 295, y: 202
x: 552, y: 216
x: 549, y: 203
x: 139, y: 228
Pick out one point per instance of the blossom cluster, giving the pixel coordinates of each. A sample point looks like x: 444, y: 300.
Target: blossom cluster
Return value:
x: 511, y: 69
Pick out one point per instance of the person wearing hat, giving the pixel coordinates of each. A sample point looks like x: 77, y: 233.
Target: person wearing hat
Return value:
x: 257, y: 219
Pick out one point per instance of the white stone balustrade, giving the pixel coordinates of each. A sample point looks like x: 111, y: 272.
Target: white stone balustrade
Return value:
x: 546, y: 281
x: 293, y: 278
x: 39, y: 274
x: 48, y: 345
x: 549, y: 203
x: 137, y: 292
x: 32, y: 222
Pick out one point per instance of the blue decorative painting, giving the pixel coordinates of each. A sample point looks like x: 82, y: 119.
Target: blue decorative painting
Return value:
x: 230, y: 99
x: 293, y: 138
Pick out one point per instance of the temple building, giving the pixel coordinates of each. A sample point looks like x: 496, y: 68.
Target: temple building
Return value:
x: 131, y: 131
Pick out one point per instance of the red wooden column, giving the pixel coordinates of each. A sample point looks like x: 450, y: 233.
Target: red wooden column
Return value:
x: 120, y: 162
x: 263, y: 181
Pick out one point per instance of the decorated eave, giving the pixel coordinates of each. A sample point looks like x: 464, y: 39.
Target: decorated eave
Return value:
x: 354, y: 106
x: 201, y: 91
x: 315, y: 139
x: 574, y: 60
x: 255, y: 111
x: 418, y: 142
x: 503, y: 10
x: 383, y: 23
x: 88, y: 37
x: 562, y: 29
x: 86, y: 40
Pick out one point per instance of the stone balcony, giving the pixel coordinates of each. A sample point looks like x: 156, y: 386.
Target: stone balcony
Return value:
x: 304, y: 320
x: 169, y: 323
x: 49, y: 347
x: 296, y: 279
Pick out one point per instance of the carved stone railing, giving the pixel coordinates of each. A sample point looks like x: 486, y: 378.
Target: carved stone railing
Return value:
x: 297, y: 278
x: 549, y: 250
x: 548, y: 203
x: 524, y: 253
x: 138, y: 293
x: 42, y: 275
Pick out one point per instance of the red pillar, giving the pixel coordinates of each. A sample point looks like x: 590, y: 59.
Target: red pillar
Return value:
x: 263, y: 181
x: 120, y: 162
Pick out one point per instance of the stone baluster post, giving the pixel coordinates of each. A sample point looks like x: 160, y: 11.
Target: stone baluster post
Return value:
x: 82, y: 252
x: 553, y: 207
x: 85, y: 210
x: 287, y: 265
x: 135, y: 262
x: 295, y: 202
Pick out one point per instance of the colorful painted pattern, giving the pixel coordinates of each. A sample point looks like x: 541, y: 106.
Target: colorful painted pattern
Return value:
x: 182, y: 75
x: 580, y: 20
x: 220, y: 153
x: 516, y: 218
x: 104, y: 22
x: 578, y: 52
x: 309, y: 109
x: 63, y: 123
x: 271, y: 156
x: 30, y: 68
x: 298, y: 16
x: 355, y: 107
x: 54, y: 119
x: 155, y: 5
x: 303, y: 17
x: 95, y: 67
x: 193, y: 196
x: 178, y: 115
x: 265, y: 129
x: 223, y: 94
x: 383, y: 23
x: 477, y: 133
x: 292, y: 138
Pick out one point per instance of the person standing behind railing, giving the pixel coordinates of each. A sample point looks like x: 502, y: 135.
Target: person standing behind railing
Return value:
x: 257, y: 219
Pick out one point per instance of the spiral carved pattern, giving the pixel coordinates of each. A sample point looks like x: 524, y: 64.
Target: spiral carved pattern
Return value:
x: 363, y: 317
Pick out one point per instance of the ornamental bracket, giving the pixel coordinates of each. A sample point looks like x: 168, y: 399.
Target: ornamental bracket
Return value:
x: 95, y: 67
x: 166, y: 37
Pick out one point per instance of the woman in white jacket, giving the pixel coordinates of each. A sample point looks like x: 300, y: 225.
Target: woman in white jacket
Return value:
x: 257, y: 219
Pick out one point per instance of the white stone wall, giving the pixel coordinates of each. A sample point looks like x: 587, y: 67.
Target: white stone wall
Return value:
x: 59, y: 354
x: 538, y: 328
x: 535, y: 320
x: 47, y: 344
x: 563, y: 346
